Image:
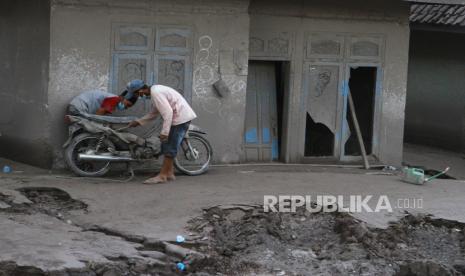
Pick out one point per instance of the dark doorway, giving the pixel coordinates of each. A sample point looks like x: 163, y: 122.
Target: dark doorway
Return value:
x: 319, y: 140
x: 362, y: 85
x: 264, y: 111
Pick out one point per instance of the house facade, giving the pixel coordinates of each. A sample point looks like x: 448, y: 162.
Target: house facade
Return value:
x: 286, y: 69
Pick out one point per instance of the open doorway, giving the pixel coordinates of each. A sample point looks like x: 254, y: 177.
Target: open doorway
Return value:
x: 362, y: 85
x: 264, y: 120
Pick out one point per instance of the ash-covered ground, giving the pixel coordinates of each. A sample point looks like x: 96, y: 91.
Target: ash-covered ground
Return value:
x: 241, y: 240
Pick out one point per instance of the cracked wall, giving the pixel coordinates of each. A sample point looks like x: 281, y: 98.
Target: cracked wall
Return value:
x: 24, y: 56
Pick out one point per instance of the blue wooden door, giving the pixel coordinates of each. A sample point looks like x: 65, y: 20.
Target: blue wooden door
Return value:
x: 261, y: 122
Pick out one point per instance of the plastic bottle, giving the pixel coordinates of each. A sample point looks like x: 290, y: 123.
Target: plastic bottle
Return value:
x: 181, y: 266
x: 180, y: 239
x: 6, y: 169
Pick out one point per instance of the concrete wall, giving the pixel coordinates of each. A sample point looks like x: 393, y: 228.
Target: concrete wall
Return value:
x: 435, y: 112
x: 81, y: 49
x: 385, y: 17
x: 24, y: 57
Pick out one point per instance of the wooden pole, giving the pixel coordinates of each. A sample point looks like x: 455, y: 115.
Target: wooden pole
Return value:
x: 357, y: 130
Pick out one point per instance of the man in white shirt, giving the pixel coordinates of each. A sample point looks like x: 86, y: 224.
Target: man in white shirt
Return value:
x: 177, y: 115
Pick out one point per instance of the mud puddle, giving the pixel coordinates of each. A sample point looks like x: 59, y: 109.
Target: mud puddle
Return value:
x: 242, y: 240
x: 51, y: 201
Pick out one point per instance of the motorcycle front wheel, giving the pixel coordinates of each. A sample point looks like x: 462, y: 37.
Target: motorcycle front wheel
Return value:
x: 194, y: 155
x: 83, y: 143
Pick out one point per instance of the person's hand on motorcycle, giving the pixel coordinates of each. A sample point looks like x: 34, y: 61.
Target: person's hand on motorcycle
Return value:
x: 134, y: 124
x: 163, y: 138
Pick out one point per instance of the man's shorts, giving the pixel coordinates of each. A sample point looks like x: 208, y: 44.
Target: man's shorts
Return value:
x: 177, y: 133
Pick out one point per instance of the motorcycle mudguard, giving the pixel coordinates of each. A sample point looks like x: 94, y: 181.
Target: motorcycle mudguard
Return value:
x: 194, y: 128
x: 71, y: 130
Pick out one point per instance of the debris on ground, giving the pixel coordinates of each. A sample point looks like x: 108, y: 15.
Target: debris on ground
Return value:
x: 247, y: 241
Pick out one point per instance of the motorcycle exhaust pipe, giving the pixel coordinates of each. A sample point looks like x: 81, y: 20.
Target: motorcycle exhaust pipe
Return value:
x: 93, y: 157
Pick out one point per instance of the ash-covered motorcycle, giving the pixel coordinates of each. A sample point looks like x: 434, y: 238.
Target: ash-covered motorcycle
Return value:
x: 95, y: 142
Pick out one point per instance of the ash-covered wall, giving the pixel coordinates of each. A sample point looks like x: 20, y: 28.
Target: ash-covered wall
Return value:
x: 340, y: 23
x: 83, y: 53
x: 435, y: 111
x: 24, y: 72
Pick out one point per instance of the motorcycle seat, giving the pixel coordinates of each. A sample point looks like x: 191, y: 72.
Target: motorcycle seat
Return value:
x: 109, y: 119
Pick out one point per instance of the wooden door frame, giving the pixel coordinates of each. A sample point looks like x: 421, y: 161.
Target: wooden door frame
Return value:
x: 284, y: 150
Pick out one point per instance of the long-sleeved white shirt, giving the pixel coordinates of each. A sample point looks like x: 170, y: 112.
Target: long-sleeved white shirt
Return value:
x: 172, y: 107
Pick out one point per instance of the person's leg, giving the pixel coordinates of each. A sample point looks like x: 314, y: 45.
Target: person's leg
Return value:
x: 169, y: 150
x: 164, y: 174
x: 181, y: 131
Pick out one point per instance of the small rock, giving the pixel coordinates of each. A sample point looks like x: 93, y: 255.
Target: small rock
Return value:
x: 235, y: 215
x: 459, y: 265
x: 140, y: 266
x: 69, y: 222
x: 112, y: 272
x: 360, y: 231
x: 15, y: 196
x: 4, y: 205
x: 303, y: 219
x: 311, y: 254
x: 351, y: 239
x: 154, y: 255
x: 246, y: 172
x: 299, y: 254
x: 216, y: 216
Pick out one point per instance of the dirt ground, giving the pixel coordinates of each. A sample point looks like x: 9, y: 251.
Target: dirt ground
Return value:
x: 244, y: 240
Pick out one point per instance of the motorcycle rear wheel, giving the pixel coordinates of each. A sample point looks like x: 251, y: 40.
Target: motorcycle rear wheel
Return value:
x: 186, y: 163
x: 80, y: 144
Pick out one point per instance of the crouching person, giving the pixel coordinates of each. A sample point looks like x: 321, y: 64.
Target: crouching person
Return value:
x: 96, y: 102
x: 176, y: 114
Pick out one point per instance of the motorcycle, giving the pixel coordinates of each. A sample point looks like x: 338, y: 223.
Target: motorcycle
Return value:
x: 95, y: 142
